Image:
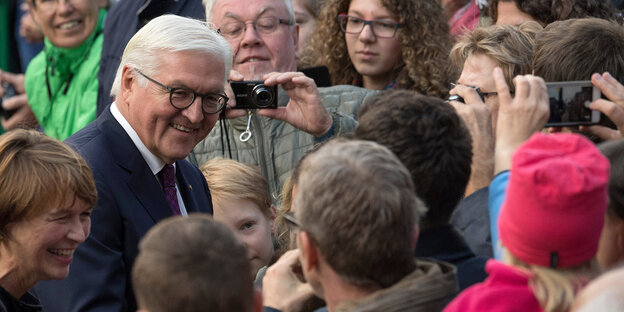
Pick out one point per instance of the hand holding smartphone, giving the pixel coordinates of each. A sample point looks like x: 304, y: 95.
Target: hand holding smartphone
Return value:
x: 569, y: 103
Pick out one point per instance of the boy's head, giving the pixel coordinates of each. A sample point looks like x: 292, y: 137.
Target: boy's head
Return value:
x: 240, y: 200
x: 429, y: 138
x: 192, y: 264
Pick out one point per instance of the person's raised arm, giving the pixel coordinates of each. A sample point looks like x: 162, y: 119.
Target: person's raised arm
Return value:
x: 304, y: 110
x: 478, y: 119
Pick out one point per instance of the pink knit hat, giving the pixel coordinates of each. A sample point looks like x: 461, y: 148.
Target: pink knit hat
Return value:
x: 556, y: 201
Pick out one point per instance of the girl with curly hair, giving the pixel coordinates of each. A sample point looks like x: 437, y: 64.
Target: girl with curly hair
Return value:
x: 384, y: 44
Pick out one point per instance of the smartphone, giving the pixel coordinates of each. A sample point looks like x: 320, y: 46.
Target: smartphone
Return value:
x: 569, y: 103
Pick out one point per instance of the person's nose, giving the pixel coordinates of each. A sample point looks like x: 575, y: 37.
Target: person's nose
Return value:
x: 251, y: 37
x: 367, y: 34
x: 64, y: 7
x: 194, y: 112
x: 79, y: 229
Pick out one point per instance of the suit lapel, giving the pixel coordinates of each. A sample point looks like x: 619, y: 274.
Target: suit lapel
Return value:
x: 141, y: 181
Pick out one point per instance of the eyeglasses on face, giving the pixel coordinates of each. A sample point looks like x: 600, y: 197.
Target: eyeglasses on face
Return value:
x: 263, y: 25
x: 182, y: 98
x: 291, y: 221
x: 380, y: 28
x: 483, y: 95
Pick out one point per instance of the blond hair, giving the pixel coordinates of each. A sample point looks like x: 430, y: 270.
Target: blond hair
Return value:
x: 555, y: 289
x: 229, y: 179
x: 38, y: 173
x: 511, y: 47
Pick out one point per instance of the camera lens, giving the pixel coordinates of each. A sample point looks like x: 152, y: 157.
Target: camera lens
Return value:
x: 262, y: 96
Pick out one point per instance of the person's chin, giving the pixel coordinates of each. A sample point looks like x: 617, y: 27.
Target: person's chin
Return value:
x: 254, y: 70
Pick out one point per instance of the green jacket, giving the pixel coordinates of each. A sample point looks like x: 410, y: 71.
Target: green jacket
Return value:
x: 62, y: 85
x: 276, y: 146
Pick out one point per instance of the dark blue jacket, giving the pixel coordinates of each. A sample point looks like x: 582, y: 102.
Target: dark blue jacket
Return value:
x: 130, y: 201
x: 444, y: 243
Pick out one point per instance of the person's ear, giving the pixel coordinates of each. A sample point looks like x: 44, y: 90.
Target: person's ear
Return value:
x: 415, y: 233
x: 127, y: 82
x: 271, y: 217
x: 309, y: 252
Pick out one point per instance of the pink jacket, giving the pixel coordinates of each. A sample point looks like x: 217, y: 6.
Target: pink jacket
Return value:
x: 506, y: 289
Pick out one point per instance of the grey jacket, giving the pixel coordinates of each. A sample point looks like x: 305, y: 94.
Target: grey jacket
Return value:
x: 429, y: 289
x: 276, y: 146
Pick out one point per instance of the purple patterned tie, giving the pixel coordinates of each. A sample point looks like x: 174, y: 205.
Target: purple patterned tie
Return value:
x: 167, y: 177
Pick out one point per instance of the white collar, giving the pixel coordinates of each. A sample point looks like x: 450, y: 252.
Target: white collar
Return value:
x: 155, y: 164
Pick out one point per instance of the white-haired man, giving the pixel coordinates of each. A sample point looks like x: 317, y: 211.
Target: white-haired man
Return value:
x: 169, y: 90
x: 263, y: 35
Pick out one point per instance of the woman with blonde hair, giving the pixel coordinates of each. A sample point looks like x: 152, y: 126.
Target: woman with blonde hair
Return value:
x: 549, y: 223
x: 384, y: 44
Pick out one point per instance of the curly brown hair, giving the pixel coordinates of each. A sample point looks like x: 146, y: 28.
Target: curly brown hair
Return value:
x: 548, y: 11
x: 425, y: 64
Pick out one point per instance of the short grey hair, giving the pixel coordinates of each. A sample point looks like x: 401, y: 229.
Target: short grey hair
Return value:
x: 171, y: 33
x: 209, y: 4
x: 357, y: 202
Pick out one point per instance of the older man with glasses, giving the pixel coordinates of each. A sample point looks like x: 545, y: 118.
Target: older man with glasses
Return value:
x: 169, y: 91
x: 264, y: 37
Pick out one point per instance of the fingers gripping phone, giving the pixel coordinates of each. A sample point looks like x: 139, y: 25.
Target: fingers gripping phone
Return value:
x: 9, y: 91
x: 569, y: 103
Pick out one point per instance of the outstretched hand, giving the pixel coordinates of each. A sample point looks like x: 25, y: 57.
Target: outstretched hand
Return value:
x: 304, y: 110
x: 612, y: 108
x: 518, y: 117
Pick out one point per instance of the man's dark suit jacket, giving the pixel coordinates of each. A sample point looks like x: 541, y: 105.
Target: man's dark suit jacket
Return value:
x: 130, y: 201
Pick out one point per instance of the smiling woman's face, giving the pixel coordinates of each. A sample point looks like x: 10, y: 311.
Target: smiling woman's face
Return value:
x: 66, y: 23
x: 44, y: 244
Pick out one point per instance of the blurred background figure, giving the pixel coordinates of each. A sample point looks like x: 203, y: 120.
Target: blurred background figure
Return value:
x: 463, y: 15
x: 20, y: 40
x: 61, y: 82
x: 47, y: 193
x: 515, y: 12
x: 611, y: 248
x: 384, y: 44
x: 604, y: 294
x: 306, y: 15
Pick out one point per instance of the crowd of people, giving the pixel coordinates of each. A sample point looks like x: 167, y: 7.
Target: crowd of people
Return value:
x: 407, y: 164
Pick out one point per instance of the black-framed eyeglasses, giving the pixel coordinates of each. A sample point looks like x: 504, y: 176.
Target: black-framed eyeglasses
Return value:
x: 263, y: 25
x: 290, y: 219
x: 182, y: 98
x: 380, y: 28
x: 482, y: 94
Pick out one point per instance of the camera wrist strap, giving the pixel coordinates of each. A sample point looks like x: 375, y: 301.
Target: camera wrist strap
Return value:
x: 246, y: 135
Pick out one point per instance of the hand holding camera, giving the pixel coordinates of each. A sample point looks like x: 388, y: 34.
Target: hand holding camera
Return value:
x: 479, y: 120
x: 254, y: 95
x: 14, y: 109
x: 304, y: 110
